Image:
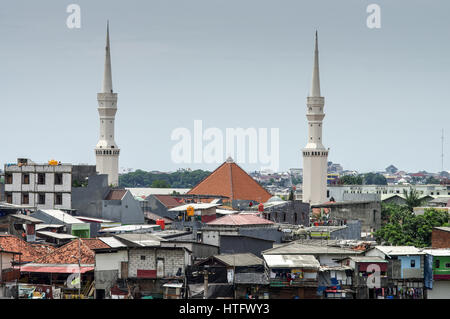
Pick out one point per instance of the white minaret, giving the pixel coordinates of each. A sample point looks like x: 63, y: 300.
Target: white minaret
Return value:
x: 106, y: 151
x: 315, y: 155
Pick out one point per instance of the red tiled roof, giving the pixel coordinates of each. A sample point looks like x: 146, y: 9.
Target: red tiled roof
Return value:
x: 95, y: 243
x: 232, y: 181
x: 70, y: 253
x: 168, y: 201
x: 43, y: 248
x: 15, y: 244
x: 115, y: 194
x: 240, y: 220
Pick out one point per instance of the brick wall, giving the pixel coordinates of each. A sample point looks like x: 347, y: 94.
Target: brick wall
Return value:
x: 173, y: 260
x: 440, y: 238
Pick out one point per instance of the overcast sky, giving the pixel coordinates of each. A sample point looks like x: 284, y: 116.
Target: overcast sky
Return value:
x: 229, y: 63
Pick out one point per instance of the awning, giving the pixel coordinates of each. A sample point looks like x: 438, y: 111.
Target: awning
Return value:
x: 55, y: 269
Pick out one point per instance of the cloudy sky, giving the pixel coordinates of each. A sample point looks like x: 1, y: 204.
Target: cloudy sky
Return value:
x: 231, y: 64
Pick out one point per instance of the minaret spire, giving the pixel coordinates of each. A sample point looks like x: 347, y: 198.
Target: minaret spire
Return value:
x: 107, y: 78
x: 315, y: 155
x: 315, y: 83
x: 106, y: 151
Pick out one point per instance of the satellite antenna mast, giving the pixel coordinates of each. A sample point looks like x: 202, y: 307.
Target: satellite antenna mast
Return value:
x: 442, y: 152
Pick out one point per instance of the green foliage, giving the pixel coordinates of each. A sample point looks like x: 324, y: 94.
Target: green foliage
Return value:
x: 432, y: 180
x: 160, y: 184
x: 351, y: 180
x: 403, y: 227
x: 77, y: 183
x: 178, y: 179
x: 296, y: 180
x: 412, y: 199
x: 374, y: 179
x: 367, y: 179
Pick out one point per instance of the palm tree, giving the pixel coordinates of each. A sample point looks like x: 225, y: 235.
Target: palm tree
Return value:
x: 412, y: 199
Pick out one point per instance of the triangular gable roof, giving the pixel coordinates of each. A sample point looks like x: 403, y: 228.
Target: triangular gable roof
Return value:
x: 230, y: 180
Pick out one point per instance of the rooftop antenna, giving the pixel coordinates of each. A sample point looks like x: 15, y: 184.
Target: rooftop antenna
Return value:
x: 442, y: 151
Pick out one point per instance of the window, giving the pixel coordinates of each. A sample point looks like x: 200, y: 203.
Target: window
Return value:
x: 8, y: 179
x: 25, y: 198
x: 58, y: 179
x: 41, y: 179
x: 142, y: 257
x: 447, y: 265
x: 437, y: 263
x: 41, y: 199
x: 8, y: 198
x: 413, y: 263
x: 58, y: 199
x: 26, y: 178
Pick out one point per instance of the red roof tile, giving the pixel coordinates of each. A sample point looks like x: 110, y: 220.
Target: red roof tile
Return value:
x: 116, y: 194
x: 232, y: 181
x: 240, y: 220
x: 14, y: 244
x: 168, y: 201
x: 70, y: 253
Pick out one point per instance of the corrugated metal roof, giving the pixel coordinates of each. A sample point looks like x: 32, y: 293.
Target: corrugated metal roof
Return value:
x: 128, y: 228
x: 147, y: 191
x: 197, y: 206
x: 291, y: 261
x: 368, y: 259
x: 295, y: 248
x: 27, y: 218
x: 61, y: 216
x: 240, y: 220
x: 399, y: 250
x: 437, y: 252
x: 112, y: 242
x: 56, y: 235
x: 246, y: 259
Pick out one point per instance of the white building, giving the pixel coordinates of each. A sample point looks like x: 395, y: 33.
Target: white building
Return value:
x: 106, y: 151
x: 315, y: 155
x: 43, y: 186
x: 338, y: 192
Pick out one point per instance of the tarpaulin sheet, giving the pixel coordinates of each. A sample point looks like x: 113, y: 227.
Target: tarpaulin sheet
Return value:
x: 55, y: 269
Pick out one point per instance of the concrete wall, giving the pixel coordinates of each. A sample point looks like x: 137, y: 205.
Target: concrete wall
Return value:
x: 441, y: 290
x: 352, y: 231
x: 211, y: 235
x: 240, y: 244
x: 292, y: 212
x: 127, y: 211
x: 156, y: 207
x: 88, y: 200
x: 369, y: 213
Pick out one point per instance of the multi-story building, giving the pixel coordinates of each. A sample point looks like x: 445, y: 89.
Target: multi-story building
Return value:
x: 338, y: 191
x: 43, y: 186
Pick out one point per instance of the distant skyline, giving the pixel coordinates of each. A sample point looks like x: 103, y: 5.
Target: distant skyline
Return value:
x: 230, y: 64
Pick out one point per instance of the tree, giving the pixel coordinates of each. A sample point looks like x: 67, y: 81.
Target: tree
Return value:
x: 405, y: 228
x: 351, y: 180
x: 374, y: 179
x: 412, y: 199
x: 433, y: 180
x: 160, y: 184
